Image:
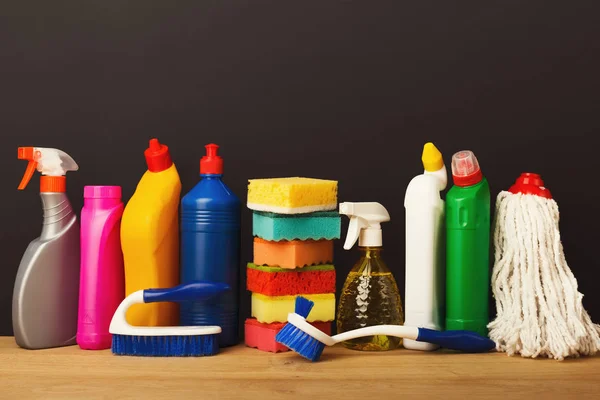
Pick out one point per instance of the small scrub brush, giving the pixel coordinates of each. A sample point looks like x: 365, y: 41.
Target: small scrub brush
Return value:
x: 166, y: 341
x: 309, y: 342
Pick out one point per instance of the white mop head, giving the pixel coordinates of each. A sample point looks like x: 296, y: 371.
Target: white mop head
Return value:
x: 539, y: 309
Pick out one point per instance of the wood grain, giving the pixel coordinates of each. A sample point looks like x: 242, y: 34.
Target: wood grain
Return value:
x: 240, y: 372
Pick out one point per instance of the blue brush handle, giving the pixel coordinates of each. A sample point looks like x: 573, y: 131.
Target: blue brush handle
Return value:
x: 185, y: 292
x: 466, y: 341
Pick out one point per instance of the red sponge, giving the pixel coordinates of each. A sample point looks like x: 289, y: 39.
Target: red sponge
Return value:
x: 274, y: 281
x: 262, y: 336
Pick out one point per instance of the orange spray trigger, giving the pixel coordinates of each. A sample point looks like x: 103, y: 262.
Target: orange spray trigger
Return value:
x: 27, y: 153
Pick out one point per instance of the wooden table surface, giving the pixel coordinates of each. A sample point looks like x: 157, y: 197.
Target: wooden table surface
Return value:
x: 240, y: 372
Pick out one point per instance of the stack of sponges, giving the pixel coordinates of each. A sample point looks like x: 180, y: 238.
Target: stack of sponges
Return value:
x: 294, y: 223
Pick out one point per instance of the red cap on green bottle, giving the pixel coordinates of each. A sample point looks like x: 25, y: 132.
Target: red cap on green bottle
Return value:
x: 465, y: 169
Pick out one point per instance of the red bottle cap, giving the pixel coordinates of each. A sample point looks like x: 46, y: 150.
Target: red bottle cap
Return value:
x: 157, y: 156
x: 465, y: 169
x: 53, y: 184
x: 529, y: 183
x: 211, y: 163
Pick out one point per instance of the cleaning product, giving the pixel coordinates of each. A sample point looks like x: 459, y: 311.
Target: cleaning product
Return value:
x: 467, y: 246
x: 370, y: 295
x: 166, y: 341
x: 102, y: 279
x: 292, y: 254
x: 424, y: 298
x: 316, y: 226
x: 262, y: 336
x: 275, y: 281
x: 292, y: 195
x: 150, y: 237
x: 44, y: 306
x: 269, y: 309
x: 309, y: 342
x: 540, y: 312
x: 210, y: 247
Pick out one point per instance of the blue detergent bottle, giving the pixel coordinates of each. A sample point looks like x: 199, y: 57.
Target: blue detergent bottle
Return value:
x: 210, y: 248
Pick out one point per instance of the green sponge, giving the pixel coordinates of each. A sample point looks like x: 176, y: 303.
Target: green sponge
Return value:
x: 316, y: 226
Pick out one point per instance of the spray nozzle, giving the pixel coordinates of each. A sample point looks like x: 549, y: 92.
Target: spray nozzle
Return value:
x: 49, y: 162
x: 365, y: 219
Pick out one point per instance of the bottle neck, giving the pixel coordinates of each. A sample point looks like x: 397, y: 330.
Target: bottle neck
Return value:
x: 211, y: 176
x: 57, y: 213
x: 53, y: 184
x: 370, y: 261
x: 370, y: 237
x: 441, y: 175
x: 370, y: 251
x: 467, y: 181
x: 104, y: 204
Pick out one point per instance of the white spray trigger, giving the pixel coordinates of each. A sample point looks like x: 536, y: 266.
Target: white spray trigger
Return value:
x: 356, y: 225
x: 365, y: 219
x: 53, y: 162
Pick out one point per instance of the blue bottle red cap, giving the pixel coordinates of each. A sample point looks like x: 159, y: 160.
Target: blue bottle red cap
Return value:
x: 211, y: 163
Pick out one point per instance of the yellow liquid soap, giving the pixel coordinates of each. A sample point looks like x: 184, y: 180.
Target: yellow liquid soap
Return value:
x: 370, y: 297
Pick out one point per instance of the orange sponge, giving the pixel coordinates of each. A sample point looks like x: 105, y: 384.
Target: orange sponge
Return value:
x: 292, y: 254
x: 262, y: 336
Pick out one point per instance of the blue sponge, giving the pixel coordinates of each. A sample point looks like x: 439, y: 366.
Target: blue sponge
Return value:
x: 316, y: 226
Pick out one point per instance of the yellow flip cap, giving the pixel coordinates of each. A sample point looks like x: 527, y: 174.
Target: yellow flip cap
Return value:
x: 432, y: 158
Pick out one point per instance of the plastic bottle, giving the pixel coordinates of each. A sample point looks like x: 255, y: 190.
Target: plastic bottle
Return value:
x: 370, y: 295
x: 102, y: 279
x: 150, y: 237
x: 467, y: 246
x: 210, y: 248
x: 44, y: 307
x: 424, y: 297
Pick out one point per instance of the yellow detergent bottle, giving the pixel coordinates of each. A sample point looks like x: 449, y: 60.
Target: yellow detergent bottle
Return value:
x: 150, y: 237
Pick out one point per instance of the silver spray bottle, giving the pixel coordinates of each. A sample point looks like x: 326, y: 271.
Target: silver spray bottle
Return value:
x: 45, y: 297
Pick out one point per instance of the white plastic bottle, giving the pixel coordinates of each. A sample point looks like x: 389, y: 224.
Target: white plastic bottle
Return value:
x: 425, y: 273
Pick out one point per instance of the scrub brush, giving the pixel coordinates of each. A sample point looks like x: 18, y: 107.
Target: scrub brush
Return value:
x: 309, y: 342
x: 166, y: 341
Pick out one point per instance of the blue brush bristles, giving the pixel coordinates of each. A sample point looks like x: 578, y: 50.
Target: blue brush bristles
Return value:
x: 165, y: 346
x: 298, y: 340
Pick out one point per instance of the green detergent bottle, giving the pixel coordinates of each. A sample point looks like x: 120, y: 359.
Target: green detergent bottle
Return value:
x: 468, y: 246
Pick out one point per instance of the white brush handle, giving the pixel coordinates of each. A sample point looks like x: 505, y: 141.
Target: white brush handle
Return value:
x: 406, y: 332
x: 119, y: 323
x: 120, y: 326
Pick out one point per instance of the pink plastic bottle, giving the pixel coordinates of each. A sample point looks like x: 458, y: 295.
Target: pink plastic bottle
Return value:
x: 102, y: 278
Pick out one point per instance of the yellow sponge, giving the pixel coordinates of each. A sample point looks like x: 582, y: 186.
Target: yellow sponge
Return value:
x: 269, y: 309
x: 292, y: 195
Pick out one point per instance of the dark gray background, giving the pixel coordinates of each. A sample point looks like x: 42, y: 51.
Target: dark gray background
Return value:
x: 346, y: 90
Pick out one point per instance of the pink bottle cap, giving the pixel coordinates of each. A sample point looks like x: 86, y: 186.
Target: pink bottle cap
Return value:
x: 102, y: 192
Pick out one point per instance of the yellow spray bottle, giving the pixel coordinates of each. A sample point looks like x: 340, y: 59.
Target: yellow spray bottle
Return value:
x: 370, y: 295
